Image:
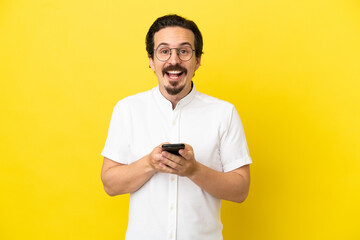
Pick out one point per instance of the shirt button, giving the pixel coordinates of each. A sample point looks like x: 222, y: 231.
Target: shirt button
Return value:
x: 172, y: 179
x: 171, y: 236
x: 171, y: 208
x: 174, y: 123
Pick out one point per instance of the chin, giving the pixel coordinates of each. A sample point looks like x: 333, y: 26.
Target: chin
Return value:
x: 174, y: 90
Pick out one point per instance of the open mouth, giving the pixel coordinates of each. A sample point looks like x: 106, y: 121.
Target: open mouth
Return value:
x: 174, y: 75
x: 174, y: 72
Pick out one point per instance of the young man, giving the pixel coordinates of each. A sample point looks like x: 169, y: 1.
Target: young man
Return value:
x: 175, y: 196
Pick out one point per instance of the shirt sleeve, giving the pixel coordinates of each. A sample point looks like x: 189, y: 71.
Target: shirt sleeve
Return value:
x: 233, y: 149
x: 117, y: 141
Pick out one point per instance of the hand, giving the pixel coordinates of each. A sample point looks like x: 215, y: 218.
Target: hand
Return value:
x: 184, y: 165
x: 154, y: 158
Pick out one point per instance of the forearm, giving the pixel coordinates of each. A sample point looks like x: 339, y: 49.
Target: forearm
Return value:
x: 231, y: 186
x: 122, y: 179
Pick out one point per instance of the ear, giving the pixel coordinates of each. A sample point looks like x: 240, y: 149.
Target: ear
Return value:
x: 151, y: 63
x: 198, y: 61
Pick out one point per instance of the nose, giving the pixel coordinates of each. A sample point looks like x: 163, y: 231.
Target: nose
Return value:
x: 174, y: 57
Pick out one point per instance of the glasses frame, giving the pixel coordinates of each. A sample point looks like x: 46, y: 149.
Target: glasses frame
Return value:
x: 177, y: 53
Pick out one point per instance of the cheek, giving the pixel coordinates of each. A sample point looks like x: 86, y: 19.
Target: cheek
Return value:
x: 158, y: 71
x: 154, y: 65
x: 191, y: 68
x: 194, y: 65
x: 158, y: 66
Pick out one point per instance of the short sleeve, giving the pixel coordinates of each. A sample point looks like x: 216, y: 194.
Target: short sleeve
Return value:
x: 117, y: 141
x: 234, y: 151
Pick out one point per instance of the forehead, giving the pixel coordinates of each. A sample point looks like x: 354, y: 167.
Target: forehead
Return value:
x: 174, y: 36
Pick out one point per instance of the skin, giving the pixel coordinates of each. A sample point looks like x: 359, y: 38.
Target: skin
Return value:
x: 232, y: 186
x: 174, y: 37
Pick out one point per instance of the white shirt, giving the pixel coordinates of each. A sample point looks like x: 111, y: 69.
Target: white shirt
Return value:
x: 169, y: 206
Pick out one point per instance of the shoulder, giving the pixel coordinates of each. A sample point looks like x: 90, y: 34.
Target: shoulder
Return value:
x: 134, y: 100
x: 213, y: 102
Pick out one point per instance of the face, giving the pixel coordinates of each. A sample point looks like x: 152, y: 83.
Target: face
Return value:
x: 174, y: 75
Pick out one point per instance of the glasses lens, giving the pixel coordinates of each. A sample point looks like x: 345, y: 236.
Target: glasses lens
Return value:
x: 163, y: 53
x: 185, y: 53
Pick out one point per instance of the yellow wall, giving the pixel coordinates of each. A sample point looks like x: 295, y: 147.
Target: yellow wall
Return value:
x: 292, y: 69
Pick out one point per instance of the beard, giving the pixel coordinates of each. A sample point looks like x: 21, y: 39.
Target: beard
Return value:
x: 174, y: 89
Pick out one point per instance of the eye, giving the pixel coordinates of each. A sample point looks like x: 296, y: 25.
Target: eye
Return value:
x: 164, y: 51
x: 185, y: 51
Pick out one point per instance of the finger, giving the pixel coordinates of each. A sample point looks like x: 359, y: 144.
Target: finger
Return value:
x: 158, y: 148
x: 172, y: 157
x: 183, y: 153
x: 172, y: 164
x: 154, y: 160
x: 187, y: 153
x: 166, y: 169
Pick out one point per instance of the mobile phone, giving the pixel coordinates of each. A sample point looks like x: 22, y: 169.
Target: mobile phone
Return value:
x: 173, y: 148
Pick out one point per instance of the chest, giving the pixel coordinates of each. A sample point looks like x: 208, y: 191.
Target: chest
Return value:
x: 198, y: 127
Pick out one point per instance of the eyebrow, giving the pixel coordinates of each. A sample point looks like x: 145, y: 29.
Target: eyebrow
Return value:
x: 181, y: 44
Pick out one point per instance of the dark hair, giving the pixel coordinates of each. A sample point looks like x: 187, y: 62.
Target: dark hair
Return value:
x: 173, y: 20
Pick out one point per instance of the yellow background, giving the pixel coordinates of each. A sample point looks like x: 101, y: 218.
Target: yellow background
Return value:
x: 291, y: 68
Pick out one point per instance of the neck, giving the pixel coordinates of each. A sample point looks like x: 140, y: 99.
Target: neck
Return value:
x: 174, y: 99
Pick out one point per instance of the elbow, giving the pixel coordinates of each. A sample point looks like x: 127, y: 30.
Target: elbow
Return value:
x: 110, y: 191
x: 114, y: 189
x: 241, y: 198
x: 243, y: 192
x: 109, y: 187
x: 237, y: 198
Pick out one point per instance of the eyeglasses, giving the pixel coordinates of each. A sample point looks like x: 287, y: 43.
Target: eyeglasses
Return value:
x: 163, y: 53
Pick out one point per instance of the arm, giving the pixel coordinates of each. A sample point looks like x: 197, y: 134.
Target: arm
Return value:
x: 232, y: 186
x: 120, y: 178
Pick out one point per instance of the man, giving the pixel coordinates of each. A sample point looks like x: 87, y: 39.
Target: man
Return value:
x: 175, y: 197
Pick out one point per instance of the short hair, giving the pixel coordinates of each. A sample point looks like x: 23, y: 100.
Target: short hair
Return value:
x: 173, y: 20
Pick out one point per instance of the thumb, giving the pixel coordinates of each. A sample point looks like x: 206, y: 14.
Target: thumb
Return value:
x: 186, y: 153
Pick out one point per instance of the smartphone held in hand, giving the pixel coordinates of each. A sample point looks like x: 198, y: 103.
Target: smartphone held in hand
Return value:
x: 173, y: 148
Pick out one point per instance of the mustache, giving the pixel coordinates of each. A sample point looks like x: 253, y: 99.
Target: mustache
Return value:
x: 176, y: 67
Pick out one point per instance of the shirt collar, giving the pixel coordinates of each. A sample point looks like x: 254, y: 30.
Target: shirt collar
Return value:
x: 166, y: 103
